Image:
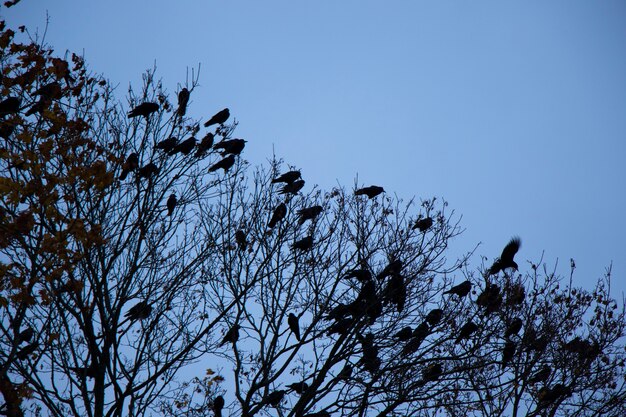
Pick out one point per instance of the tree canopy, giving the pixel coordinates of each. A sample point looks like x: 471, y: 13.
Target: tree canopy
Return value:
x: 146, y: 268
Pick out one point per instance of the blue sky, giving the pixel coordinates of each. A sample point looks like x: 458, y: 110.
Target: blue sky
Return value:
x: 514, y: 112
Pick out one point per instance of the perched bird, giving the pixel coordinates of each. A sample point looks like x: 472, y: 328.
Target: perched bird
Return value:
x: 515, y: 294
x: 6, y: 129
x: 508, y: 351
x: 139, y: 311
x: 183, y: 99
x: 25, y: 335
x: 240, y: 238
x: 185, y: 147
x: 38, y: 107
x: 144, y: 109
x: 412, y: 346
x: 423, y: 224
x: 506, y: 258
x: 90, y: 371
x: 404, y: 334
x: 23, y: 353
x: 171, y: 204
x: 232, y: 335
x: 9, y: 105
x: 341, y: 326
x: 466, y: 330
x: 541, y: 375
x: 309, y: 213
x: 148, y: 171
x: 131, y: 164
x: 218, y: 405
x: 231, y: 146
x: 292, y: 188
x: 294, y: 325
x: 546, y: 395
x: 490, y: 298
x: 279, y: 213
x: 298, y: 387
x: 434, y: 316
x: 394, y: 267
x: 205, y: 144
x: 461, y: 290
x: 422, y: 331
x: 218, y: 118
x: 432, y: 372
x: 167, y: 144
x: 50, y: 91
x: 370, y: 360
x: 371, y: 191
x: 395, y: 291
x: 304, y: 243
x: 345, y: 373
x: 287, y: 177
x: 274, y: 398
x: 360, y: 274
x: 338, y: 312
x: 224, y: 164
x: 513, y: 328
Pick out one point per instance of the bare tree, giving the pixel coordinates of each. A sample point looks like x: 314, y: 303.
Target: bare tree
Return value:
x: 138, y: 249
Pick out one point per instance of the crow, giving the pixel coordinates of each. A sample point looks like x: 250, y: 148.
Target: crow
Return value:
x: 38, y: 107
x: 516, y: 293
x: 231, y: 146
x: 240, y: 238
x: 50, y: 91
x: 541, y: 375
x: 507, y: 353
x: 466, y: 330
x: 225, y: 164
x: 218, y: 405
x: 148, y: 170
x: 371, y: 191
x: 171, y: 204
x: 298, y: 387
x: 279, y: 213
x: 392, y: 268
x: 9, y: 105
x: 461, y: 290
x: 23, y: 353
x: 168, y: 144
x: 304, y: 243
x: 490, y: 298
x: 404, y: 334
x: 144, y: 109
x: 423, y: 224
x: 231, y: 336
x: 218, y: 118
x: 6, y: 129
x: 546, y: 396
x: 370, y: 360
x: 131, y: 164
x: 412, y: 346
x: 139, y: 311
x: 205, y: 144
x: 395, y: 292
x: 292, y: 188
x: 341, y: 326
x: 90, y: 371
x: 432, y: 372
x: 25, y: 335
x: 513, y: 328
x: 287, y: 177
x: 294, y: 325
x: 360, y: 274
x: 274, y: 398
x: 183, y: 99
x: 421, y: 331
x: 185, y: 147
x: 338, y: 312
x: 309, y: 213
x: 506, y: 258
x: 434, y: 316
x: 345, y: 373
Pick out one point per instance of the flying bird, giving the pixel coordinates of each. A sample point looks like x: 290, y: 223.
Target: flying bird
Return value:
x: 185, y: 147
x: 292, y: 188
x: 225, y: 164
x: 294, y: 325
x: 461, y: 290
x: 167, y: 144
x: 139, y: 311
x: 205, y: 144
x: 287, y: 177
x: 131, y: 164
x: 506, y: 258
x: 231, y: 336
x: 371, y: 191
x: 171, y: 204
x: 309, y: 213
x: 218, y: 118
x: 218, y: 405
x: 304, y: 243
x: 183, y: 99
x: 423, y: 224
x: 279, y: 213
x: 231, y: 146
x: 240, y: 238
x: 144, y: 109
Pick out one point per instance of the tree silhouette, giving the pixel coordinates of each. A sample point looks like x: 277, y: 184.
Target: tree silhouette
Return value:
x: 132, y: 270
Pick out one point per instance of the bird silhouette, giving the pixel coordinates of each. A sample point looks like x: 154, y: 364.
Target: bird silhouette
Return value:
x: 298, y: 387
x: 90, y: 371
x: 287, y: 177
x: 185, y: 147
x: 541, y: 375
x: 205, y: 144
x: 304, y: 243
x: 6, y: 129
x: 371, y: 191
x: 434, y: 316
x: 9, y: 105
x: 345, y: 373
x: 515, y: 294
x: 394, y: 267
x: 279, y: 213
x: 183, y: 99
x: 506, y: 258
x: 294, y: 325
x: 38, y: 107
x: 547, y: 396
x: 422, y: 331
x: 231, y: 146
x: 51, y: 91
x: 292, y: 188
x: 341, y: 326
x: 508, y: 351
x: 167, y: 145
x: 224, y: 164
x: 25, y: 335
x: 513, y: 328
x: 231, y: 336
x: 395, y: 291
x: 404, y: 334
x: 360, y: 274
x: 241, y: 240
x: 218, y: 118
x: 218, y: 405
x: 27, y: 350
x: 466, y: 330
x: 139, y: 311
x: 432, y: 372
x: 148, y: 171
x: 461, y: 290
x: 338, y: 312
x: 171, y: 204
x: 131, y: 164
x: 423, y: 224
x: 274, y: 398
x: 144, y: 109
x: 309, y: 213
x: 370, y: 360
x: 490, y: 299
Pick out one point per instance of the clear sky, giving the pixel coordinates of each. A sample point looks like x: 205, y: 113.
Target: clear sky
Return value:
x: 514, y: 112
